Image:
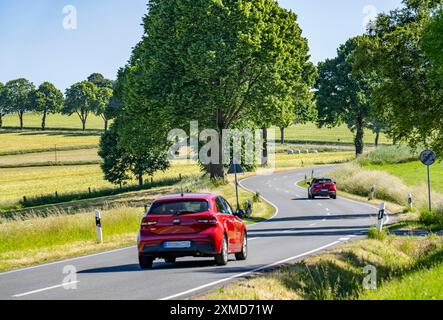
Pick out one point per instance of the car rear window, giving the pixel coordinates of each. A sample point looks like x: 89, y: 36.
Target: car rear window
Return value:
x: 323, y: 181
x: 179, y: 207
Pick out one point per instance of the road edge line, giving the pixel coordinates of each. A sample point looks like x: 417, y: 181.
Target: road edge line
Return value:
x: 247, y: 273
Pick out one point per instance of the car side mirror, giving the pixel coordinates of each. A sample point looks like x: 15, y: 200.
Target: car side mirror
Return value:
x: 309, y: 183
x: 240, y: 213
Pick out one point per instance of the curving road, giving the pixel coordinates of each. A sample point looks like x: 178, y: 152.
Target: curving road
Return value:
x: 301, y: 227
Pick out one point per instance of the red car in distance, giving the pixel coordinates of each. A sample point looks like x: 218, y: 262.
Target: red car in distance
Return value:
x: 196, y: 225
x: 323, y: 187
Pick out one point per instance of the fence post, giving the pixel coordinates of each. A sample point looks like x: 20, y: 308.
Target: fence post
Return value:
x: 98, y: 226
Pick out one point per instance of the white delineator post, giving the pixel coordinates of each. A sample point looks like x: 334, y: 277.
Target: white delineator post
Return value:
x: 381, y: 217
x: 98, y: 225
x: 410, y: 201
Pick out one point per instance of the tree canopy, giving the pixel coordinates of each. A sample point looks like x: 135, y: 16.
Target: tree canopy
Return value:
x: 47, y: 99
x: 408, y: 94
x: 237, y: 66
x: 19, y: 97
x: 344, y: 96
x: 81, y: 100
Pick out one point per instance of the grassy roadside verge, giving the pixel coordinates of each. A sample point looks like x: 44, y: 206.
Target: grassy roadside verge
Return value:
x: 59, y: 236
x: 339, y: 274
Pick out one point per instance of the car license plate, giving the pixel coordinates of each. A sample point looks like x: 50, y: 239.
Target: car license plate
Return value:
x: 324, y: 190
x: 177, y: 244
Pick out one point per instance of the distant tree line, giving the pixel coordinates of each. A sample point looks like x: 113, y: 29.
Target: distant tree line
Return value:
x: 93, y: 96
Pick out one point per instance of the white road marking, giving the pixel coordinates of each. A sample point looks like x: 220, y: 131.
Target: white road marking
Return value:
x: 68, y: 260
x: 320, y: 205
x: 45, y: 289
x: 327, y: 209
x: 312, y: 224
x: 247, y: 273
x: 344, y: 239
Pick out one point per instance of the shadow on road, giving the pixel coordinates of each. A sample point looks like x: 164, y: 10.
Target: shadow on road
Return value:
x: 321, y: 217
x: 158, y: 265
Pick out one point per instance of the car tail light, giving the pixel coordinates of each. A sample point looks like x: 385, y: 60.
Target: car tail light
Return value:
x: 210, y: 220
x: 147, y: 223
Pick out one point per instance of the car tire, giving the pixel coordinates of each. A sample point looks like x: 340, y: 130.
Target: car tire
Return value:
x: 243, y: 255
x: 171, y: 260
x: 145, y: 262
x: 221, y: 259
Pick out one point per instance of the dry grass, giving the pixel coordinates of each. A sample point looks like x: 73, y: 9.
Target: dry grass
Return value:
x: 354, y: 179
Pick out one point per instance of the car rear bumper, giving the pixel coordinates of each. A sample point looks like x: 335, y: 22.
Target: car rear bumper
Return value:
x: 325, y: 194
x: 196, y: 249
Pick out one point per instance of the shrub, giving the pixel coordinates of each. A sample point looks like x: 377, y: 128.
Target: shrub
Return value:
x: 432, y: 219
x: 375, y: 235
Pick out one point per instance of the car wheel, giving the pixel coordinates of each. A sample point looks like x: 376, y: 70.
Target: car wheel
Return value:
x: 222, y: 258
x: 243, y: 255
x: 170, y: 260
x: 145, y: 262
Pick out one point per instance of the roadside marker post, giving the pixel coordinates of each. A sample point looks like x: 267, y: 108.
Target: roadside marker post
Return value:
x: 410, y: 201
x: 98, y: 226
x: 428, y: 158
x: 381, y: 217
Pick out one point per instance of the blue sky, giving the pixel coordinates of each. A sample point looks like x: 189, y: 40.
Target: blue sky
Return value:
x: 35, y: 45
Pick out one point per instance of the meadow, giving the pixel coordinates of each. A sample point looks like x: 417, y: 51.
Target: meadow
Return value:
x: 20, y: 142
x: 413, y: 173
x: 41, y: 181
x: 53, y: 121
x: 339, y: 135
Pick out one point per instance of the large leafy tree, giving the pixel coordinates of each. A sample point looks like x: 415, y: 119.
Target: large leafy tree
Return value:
x: 47, y: 99
x: 343, y: 95
x: 19, y: 97
x: 81, y: 100
x: 103, y: 103
x: 100, y: 81
x: 221, y: 71
x: 432, y: 43
x: 409, y: 93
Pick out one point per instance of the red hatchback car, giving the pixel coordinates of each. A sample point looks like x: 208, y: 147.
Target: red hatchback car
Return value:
x: 323, y: 187
x: 196, y: 225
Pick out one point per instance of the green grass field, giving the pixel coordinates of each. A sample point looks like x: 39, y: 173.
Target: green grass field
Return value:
x: 310, y: 132
x: 53, y: 121
x: 28, y: 141
x: 37, y: 181
x: 81, y: 155
x: 414, y: 173
x: 420, y: 285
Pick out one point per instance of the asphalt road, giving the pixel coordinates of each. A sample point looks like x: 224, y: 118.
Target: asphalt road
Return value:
x: 300, y: 228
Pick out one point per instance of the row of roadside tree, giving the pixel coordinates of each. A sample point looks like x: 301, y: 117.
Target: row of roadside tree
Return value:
x: 93, y: 96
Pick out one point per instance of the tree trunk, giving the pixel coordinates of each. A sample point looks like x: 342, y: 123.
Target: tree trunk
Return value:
x: 140, y: 180
x: 394, y: 140
x: 217, y: 170
x: 264, y: 160
x: 377, y: 138
x: 1, y: 120
x: 282, y: 134
x: 106, y: 124
x: 84, y: 124
x: 359, y: 146
x: 44, y: 121
x: 20, y: 115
